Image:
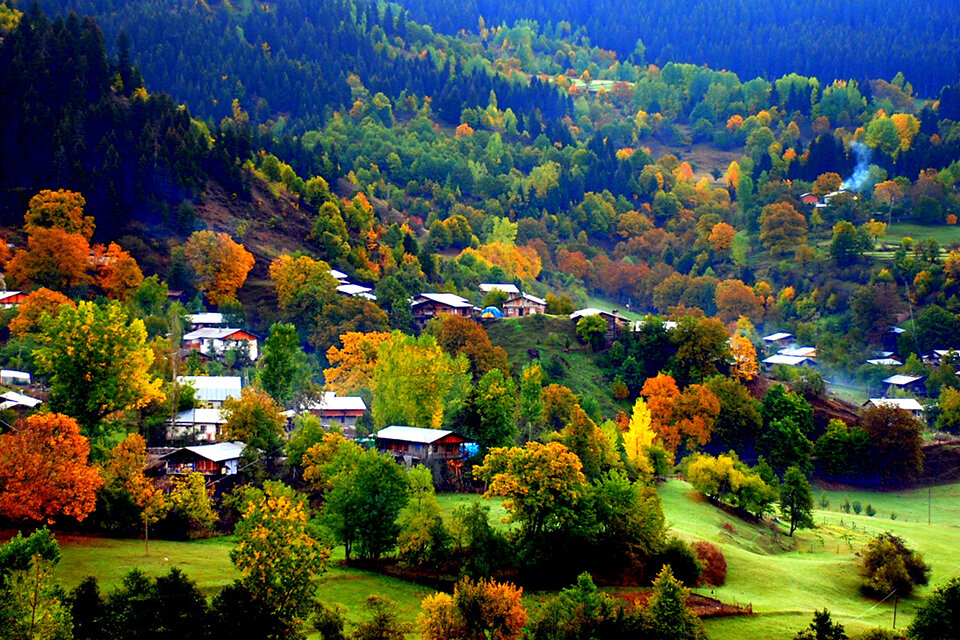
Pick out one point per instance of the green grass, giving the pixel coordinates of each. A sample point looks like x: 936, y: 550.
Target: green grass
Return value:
x: 555, y: 336
x: 946, y: 235
x: 783, y: 578
x: 606, y: 305
x: 786, y: 579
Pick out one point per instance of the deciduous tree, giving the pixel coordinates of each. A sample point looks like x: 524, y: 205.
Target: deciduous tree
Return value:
x: 98, y: 362
x: 255, y: 419
x: 796, y: 499
x: 220, y: 263
x: 477, y: 610
x: 890, y: 566
x: 118, y: 273
x: 351, y: 366
x: 638, y: 437
x: 53, y: 258
x: 39, y: 302
x: 59, y: 209
x: 283, y: 366
x: 783, y: 228
x: 44, y: 471
x: 32, y: 606
x: 458, y: 335
x: 278, y: 552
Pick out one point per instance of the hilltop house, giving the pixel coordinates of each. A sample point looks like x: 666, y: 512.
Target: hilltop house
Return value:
x: 213, y: 390
x: 356, y: 291
x: 215, y: 341
x: 524, y: 304
x: 907, y: 404
x: 903, y: 383
x: 414, y: 445
x: 615, y: 323
x: 429, y: 305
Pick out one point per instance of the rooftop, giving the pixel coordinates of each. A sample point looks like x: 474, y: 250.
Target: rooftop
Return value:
x: 332, y: 402
x: 13, y: 399
x: 205, y: 318
x: 810, y: 352
x: 214, y: 388
x: 899, y: 380
x: 412, y: 434
x: 217, y: 452
x: 204, y: 416
x: 448, y: 299
x: 885, y: 362
x: 777, y: 337
x: 353, y: 289
x: 212, y: 333
x: 790, y: 361
x: 907, y: 404
x: 527, y: 296
x: 506, y: 288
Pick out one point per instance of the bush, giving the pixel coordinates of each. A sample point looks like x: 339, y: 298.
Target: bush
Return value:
x: 683, y: 560
x: 824, y: 501
x: 714, y: 564
x: 846, y: 505
x: 870, y: 511
x: 329, y: 621
x: 857, y: 507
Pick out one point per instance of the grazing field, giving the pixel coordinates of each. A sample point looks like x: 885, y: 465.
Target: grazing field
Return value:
x: 783, y: 578
x: 946, y: 235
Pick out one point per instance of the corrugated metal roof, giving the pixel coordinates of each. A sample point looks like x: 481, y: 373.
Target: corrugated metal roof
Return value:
x: 900, y: 379
x: 205, y: 318
x: 213, y: 332
x: 217, y: 452
x: 908, y: 404
x: 332, y: 402
x: 214, y: 388
x: 412, y: 434
x: 776, y: 337
x: 13, y: 398
x: 449, y: 299
x: 487, y: 287
x: 201, y: 416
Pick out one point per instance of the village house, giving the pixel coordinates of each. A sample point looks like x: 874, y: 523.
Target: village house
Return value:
x: 615, y: 323
x: 356, y: 291
x: 429, y: 305
x: 509, y: 289
x: 11, y: 299
x: 14, y: 377
x: 220, y: 459
x: 18, y: 402
x: 338, y: 410
x: 891, y: 339
x: 907, y: 404
x: 213, y: 390
x: 205, y: 320
x: 789, y: 361
x: 804, y: 352
x: 339, y: 275
x: 414, y: 445
x: 779, y: 340
x: 216, y: 341
x: 196, y: 425
x: 524, y: 304
x: 906, y: 384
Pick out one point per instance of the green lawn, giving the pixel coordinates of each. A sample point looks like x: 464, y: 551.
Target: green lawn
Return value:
x: 783, y: 578
x: 946, y: 235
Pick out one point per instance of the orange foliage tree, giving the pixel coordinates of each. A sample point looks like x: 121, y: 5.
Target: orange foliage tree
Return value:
x: 827, y: 183
x: 118, y: 273
x: 44, y: 471
x: 735, y: 299
x: 744, y: 359
x: 782, y: 227
x: 721, y: 238
x: 677, y: 418
x: 53, y: 258
x: 518, y: 262
x: 476, y: 610
x: 38, y: 302
x: 456, y: 335
x: 351, y: 366
x: 220, y: 263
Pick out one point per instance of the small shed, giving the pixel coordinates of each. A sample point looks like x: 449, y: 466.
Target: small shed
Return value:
x: 18, y: 401
x: 415, y: 445
x: 220, y: 459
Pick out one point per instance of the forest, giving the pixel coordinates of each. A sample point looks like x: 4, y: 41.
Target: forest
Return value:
x: 685, y: 324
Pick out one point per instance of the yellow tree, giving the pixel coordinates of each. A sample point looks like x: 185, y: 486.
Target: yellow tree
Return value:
x: 60, y: 209
x: 302, y: 284
x: 827, y: 183
x: 479, y: 609
x: 414, y: 381
x: 744, y: 359
x: 638, y: 437
x: 782, y: 227
x: 351, y: 366
x: 220, y: 263
x: 98, y: 362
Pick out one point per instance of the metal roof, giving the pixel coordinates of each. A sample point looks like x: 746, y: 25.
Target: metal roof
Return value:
x: 205, y: 318
x: 353, y: 289
x: 506, y: 288
x: 776, y: 337
x: 448, y: 299
x: 216, y: 333
x: 12, y: 399
x: 809, y: 352
x: 907, y: 404
x: 900, y: 379
x: 885, y: 362
x: 217, y: 452
x: 14, y: 374
x: 332, y: 402
x: 201, y: 416
x: 527, y: 296
x: 214, y: 388
x: 790, y: 361
x: 412, y: 434
x: 339, y: 275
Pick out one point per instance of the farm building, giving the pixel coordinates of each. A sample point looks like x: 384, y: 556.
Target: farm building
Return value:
x: 414, y: 445
x: 220, y: 459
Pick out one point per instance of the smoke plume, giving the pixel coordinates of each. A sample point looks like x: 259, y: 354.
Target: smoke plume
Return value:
x: 861, y: 172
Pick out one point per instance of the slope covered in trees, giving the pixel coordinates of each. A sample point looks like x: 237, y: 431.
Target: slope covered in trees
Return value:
x: 828, y: 39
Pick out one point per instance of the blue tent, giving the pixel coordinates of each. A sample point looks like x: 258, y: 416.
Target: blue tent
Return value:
x: 491, y: 312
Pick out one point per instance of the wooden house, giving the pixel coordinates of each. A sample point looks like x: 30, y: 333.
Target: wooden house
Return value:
x: 524, y: 304
x: 219, y: 459
x: 215, y: 341
x: 196, y: 425
x: 11, y: 299
x: 429, y: 305
x: 615, y: 323
x: 338, y: 410
x: 903, y: 383
x: 414, y: 445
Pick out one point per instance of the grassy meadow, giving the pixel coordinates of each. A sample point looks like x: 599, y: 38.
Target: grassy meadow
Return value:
x: 783, y: 578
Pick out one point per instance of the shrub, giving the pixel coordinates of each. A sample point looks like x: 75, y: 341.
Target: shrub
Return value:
x: 683, y: 561
x: 824, y: 501
x: 846, y: 505
x: 714, y: 564
x: 870, y: 511
x: 857, y: 507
